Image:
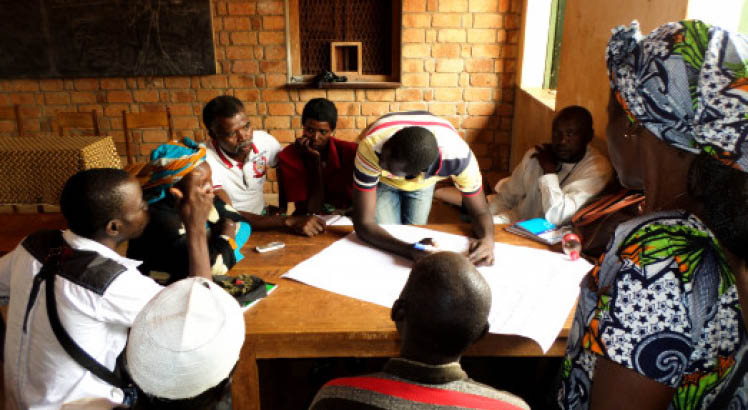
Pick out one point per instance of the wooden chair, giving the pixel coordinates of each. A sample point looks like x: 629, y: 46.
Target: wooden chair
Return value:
x: 77, y: 120
x: 149, y: 119
x: 12, y: 113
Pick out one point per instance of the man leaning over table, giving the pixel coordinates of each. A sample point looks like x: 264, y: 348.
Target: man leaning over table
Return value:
x: 442, y: 310
x: 98, y: 292
x: 401, y: 157
x: 239, y: 157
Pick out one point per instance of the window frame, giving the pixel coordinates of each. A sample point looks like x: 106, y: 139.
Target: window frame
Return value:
x: 295, y: 78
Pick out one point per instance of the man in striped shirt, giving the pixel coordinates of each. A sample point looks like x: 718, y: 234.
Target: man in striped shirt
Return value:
x: 400, y: 158
x: 442, y: 310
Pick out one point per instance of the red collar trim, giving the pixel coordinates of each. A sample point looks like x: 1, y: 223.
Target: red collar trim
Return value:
x: 229, y: 162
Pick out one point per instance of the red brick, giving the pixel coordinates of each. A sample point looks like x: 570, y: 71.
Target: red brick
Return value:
x: 118, y: 97
x: 486, y: 50
x: 414, y: 5
x: 340, y: 95
x: 206, y: 95
x: 246, y: 66
x: 86, y: 83
x: 512, y: 36
x: 51, y: 85
x: 243, y: 38
x: 272, y: 37
x: 281, y: 122
x: 25, y: 85
x: 265, y: 7
x: 236, y: 23
x: 478, y: 94
x: 275, y: 95
x: 275, y: 80
x: 443, y: 80
x: 241, y: 81
x: 516, y: 6
x: 380, y: 95
x: 483, y: 6
x: 82, y: 97
x: 177, y: 82
x: 273, y: 23
x: 155, y: 136
x: 308, y: 94
x: 479, y: 65
x: 445, y: 50
x: 447, y: 20
x: 503, y: 6
x: 448, y: 94
x: 241, y: 9
x: 442, y: 108
x: 250, y: 95
x: 275, y: 53
x: 113, y: 84
x: 414, y: 35
x: 115, y: 110
x: 284, y: 136
x: 281, y: 109
x: 453, y: 5
x: 416, y: 20
x: 408, y: 94
x: 512, y: 21
x: 481, y: 35
x: 239, y: 53
x: 481, y: 108
x: 181, y: 109
x: 186, y: 122
x: 413, y: 106
x: 273, y: 66
x: 450, y: 35
x: 415, y: 80
x: 488, y: 20
x: 480, y: 122
x: 413, y: 65
x: 484, y: 80
x: 348, y: 108
x: 374, y: 108
x: 449, y: 65
x: 182, y: 96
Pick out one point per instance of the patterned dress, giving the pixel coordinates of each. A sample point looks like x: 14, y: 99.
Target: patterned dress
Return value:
x: 662, y: 301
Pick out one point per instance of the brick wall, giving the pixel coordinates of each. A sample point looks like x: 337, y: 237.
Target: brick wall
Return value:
x: 459, y: 61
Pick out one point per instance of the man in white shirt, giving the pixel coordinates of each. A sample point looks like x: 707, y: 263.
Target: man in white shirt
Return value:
x: 239, y: 157
x: 98, y: 293
x: 555, y: 180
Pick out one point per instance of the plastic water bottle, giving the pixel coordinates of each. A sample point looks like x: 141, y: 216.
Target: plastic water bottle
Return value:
x: 572, y: 245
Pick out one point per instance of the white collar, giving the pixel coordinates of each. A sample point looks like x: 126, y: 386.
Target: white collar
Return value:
x: 78, y: 242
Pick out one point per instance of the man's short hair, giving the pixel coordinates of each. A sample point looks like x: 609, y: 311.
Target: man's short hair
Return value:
x: 322, y: 110
x: 416, y: 146
x: 579, y: 113
x: 447, y: 303
x: 92, y: 198
x: 223, y: 106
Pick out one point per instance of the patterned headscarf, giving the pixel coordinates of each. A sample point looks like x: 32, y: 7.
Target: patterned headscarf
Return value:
x: 169, y: 164
x: 687, y: 82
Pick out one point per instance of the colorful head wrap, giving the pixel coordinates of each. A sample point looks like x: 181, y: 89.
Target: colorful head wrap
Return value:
x: 687, y: 82
x: 169, y: 164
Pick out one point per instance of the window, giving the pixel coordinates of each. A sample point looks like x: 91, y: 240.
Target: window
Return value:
x: 315, y: 24
x: 553, y: 51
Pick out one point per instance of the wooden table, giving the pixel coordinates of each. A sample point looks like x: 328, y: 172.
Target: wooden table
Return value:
x: 301, y: 321
x: 33, y: 170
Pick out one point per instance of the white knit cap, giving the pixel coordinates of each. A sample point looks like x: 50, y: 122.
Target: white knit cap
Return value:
x: 185, y: 340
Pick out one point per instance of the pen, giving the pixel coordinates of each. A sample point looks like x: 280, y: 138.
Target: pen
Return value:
x: 427, y: 248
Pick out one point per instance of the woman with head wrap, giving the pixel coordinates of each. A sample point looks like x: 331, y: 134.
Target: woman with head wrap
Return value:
x: 659, y: 320
x: 163, y: 247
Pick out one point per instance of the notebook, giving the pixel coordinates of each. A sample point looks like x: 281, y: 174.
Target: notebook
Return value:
x: 538, y: 229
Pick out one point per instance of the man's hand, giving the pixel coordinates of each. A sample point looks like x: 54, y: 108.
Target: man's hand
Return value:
x: 304, y: 145
x: 194, y: 202
x: 305, y: 225
x: 418, y: 252
x: 546, y: 158
x: 481, y: 251
x: 227, y: 227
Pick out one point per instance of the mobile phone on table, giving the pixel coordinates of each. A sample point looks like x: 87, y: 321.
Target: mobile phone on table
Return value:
x: 270, y: 246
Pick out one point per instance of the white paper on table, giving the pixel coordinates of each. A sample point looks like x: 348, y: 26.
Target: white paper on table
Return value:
x: 335, y: 220
x: 533, y: 290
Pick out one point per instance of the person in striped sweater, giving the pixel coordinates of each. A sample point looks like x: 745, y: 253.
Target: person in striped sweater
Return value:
x: 442, y: 310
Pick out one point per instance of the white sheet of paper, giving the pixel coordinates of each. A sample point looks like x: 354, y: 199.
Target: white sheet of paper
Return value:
x: 533, y: 290
x: 333, y: 220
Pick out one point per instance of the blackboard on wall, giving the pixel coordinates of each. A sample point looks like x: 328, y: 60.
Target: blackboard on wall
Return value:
x: 105, y: 38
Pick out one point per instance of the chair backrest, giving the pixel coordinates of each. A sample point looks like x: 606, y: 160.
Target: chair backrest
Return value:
x: 12, y: 113
x: 77, y: 120
x: 150, y: 119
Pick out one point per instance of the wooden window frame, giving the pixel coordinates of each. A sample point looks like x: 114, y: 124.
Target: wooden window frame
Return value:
x: 294, y: 77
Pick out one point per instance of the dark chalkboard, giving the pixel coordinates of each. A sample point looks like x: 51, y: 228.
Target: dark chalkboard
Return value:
x: 105, y: 38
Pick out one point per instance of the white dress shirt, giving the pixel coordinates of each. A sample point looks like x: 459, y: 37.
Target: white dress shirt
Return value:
x: 529, y: 193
